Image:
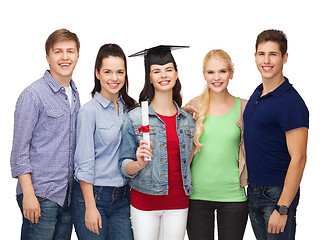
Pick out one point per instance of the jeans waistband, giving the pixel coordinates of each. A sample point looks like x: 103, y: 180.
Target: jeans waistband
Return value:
x: 106, y: 190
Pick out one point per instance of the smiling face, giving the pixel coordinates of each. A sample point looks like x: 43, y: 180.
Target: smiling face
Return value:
x: 163, y: 77
x: 112, y: 76
x: 62, y: 59
x: 217, y: 74
x: 269, y: 60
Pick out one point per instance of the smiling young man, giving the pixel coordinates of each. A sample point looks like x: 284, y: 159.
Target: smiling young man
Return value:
x: 276, y: 129
x: 44, y: 142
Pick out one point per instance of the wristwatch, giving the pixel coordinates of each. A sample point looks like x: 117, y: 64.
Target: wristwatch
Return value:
x: 282, y: 209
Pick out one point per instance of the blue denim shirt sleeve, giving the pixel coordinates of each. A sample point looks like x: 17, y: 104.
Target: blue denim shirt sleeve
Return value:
x: 129, y: 146
x: 25, y: 121
x: 84, y: 153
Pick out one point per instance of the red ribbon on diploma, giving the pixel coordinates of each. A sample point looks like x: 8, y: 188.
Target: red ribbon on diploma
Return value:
x: 144, y: 129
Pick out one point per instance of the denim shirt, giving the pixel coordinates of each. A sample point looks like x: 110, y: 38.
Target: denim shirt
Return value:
x: 153, y: 179
x: 98, y: 139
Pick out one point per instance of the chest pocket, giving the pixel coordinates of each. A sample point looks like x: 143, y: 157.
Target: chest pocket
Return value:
x: 152, y: 136
x: 54, y: 113
x: 54, y: 119
x: 108, y: 132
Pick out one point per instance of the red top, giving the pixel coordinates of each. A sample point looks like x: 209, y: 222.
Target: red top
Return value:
x: 176, y: 198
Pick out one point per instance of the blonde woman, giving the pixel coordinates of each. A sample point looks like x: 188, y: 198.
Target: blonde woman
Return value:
x: 218, y: 167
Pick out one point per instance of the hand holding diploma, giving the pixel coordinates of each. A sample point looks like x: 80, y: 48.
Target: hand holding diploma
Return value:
x: 143, y: 153
x: 145, y: 124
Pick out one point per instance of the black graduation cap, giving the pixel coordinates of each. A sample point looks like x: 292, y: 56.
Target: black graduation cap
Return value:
x: 160, y: 55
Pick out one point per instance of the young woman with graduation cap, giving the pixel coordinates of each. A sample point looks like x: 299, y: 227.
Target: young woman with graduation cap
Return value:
x: 159, y: 187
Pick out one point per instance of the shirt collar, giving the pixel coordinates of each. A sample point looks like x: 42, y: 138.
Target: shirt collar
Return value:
x: 105, y: 102
x: 279, y: 91
x: 55, y: 86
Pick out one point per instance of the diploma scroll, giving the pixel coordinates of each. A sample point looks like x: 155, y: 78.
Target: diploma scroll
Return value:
x: 145, y: 123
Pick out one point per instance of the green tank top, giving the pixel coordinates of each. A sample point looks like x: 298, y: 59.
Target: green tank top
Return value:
x: 215, y: 170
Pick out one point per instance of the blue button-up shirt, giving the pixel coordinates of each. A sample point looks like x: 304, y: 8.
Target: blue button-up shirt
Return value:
x: 44, y: 138
x: 98, y: 139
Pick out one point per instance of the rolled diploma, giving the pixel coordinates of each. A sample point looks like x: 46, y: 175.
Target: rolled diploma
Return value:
x: 145, y: 122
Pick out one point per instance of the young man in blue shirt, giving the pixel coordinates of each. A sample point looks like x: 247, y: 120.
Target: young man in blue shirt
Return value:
x: 276, y: 129
x: 44, y: 143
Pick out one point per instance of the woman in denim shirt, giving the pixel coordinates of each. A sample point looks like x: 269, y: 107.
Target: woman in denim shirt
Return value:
x: 100, y: 198
x: 159, y: 187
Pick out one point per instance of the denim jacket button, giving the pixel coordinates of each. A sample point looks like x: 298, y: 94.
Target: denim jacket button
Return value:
x: 183, y: 145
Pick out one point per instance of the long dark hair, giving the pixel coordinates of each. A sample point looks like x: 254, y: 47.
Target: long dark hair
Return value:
x: 112, y: 50
x: 148, y: 92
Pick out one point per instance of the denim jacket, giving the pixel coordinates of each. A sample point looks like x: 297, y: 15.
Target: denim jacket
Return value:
x: 153, y: 179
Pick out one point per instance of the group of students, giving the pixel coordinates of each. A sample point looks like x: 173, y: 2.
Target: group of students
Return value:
x: 88, y: 166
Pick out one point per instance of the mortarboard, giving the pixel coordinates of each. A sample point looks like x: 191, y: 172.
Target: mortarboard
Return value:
x: 160, y: 55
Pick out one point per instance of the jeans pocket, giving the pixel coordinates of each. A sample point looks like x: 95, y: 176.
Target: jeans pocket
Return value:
x: 273, y: 193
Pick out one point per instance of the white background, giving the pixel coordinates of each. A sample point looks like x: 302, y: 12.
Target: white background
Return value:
x: 136, y: 25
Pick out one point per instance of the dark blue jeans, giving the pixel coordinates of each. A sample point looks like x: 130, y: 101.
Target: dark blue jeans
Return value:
x: 114, y: 207
x: 262, y: 202
x: 55, y: 222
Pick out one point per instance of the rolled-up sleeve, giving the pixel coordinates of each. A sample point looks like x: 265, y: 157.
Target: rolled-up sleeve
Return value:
x: 25, y: 119
x: 129, y: 145
x: 85, y: 150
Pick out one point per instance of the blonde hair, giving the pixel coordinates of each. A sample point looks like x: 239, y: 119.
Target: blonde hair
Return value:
x: 202, y: 102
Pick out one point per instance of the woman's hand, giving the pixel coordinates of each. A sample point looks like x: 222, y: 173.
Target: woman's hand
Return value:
x: 143, y: 151
x: 192, y: 110
x: 93, y: 219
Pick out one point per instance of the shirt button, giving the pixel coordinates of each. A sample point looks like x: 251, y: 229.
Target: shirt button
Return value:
x: 181, y: 131
x: 183, y: 145
x: 256, y: 102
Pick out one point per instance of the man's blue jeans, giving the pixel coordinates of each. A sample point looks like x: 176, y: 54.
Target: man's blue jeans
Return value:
x: 262, y: 202
x: 114, y: 207
x: 55, y: 222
